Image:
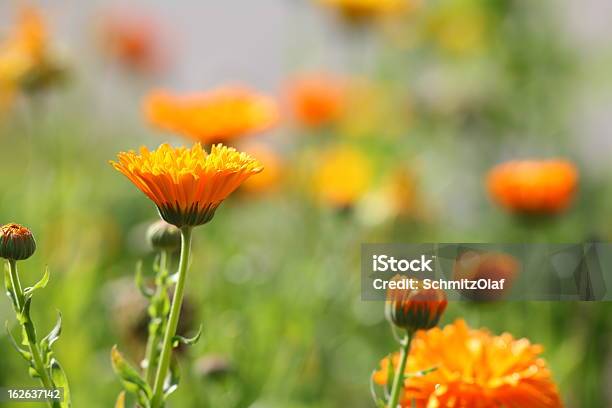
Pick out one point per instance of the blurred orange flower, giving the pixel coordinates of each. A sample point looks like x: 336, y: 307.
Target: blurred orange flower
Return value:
x: 361, y: 9
x: 25, y: 60
x: 343, y: 176
x: 221, y: 115
x: 187, y: 185
x: 486, y: 265
x: 134, y: 40
x: 24, y: 47
x: 533, y: 186
x: 316, y: 99
x: 474, y: 369
x: 270, y: 179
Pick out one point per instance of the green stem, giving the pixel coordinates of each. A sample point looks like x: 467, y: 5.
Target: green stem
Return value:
x: 175, y: 310
x: 152, y: 350
x: 398, y: 379
x: 33, y: 345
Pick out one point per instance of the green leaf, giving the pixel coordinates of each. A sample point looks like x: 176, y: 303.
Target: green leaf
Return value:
x: 26, y: 322
x: 24, y: 353
x: 176, y: 340
x: 120, y: 400
x: 58, y: 376
x: 49, y: 339
x: 41, y: 284
x: 142, y: 287
x: 173, y: 380
x: 131, y: 380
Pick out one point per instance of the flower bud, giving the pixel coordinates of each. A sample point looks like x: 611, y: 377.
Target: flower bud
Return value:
x: 164, y: 236
x: 16, y: 242
x: 418, y: 309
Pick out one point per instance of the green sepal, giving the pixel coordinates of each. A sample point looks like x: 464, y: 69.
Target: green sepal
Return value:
x: 420, y: 373
x: 131, y: 380
x: 41, y: 284
x: 58, y: 376
x: 189, y: 341
x: 24, y: 353
x: 173, y: 379
x: 142, y: 288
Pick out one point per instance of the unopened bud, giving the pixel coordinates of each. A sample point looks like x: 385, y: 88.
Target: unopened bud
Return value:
x: 16, y: 242
x: 164, y: 236
x: 418, y: 309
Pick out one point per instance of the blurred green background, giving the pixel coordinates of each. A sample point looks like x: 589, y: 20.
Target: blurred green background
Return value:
x: 453, y: 88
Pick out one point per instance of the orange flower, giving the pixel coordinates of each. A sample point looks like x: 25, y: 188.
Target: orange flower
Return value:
x: 474, y: 369
x: 343, y: 176
x: 487, y: 265
x: 269, y: 179
x: 362, y: 9
x: 413, y: 310
x: 187, y: 185
x: 531, y: 186
x: 133, y: 39
x: 25, y: 47
x: 221, y: 115
x: 316, y: 99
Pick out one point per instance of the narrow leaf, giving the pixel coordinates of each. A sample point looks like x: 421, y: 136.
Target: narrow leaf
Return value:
x: 189, y: 341
x: 24, y: 353
x: 120, y: 400
x: 53, y: 335
x: 173, y: 379
x: 59, y: 379
x: 131, y: 380
x: 41, y: 284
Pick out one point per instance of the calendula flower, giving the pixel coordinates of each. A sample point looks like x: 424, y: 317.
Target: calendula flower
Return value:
x: 533, y: 186
x: 473, y: 369
x: 363, y: 9
x: 459, y: 29
x: 270, y: 179
x: 133, y: 39
x: 487, y: 265
x: 418, y: 309
x: 26, y: 62
x: 221, y: 115
x: 187, y: 184
x: 342, y: 177
x: 316, y: 99
x: 16, y: 242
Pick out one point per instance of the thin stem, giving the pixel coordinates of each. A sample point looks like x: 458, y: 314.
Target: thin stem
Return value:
x: 33, y: 345
x: 398, y: 380
x: 152, y: 350
x: 175, y: 310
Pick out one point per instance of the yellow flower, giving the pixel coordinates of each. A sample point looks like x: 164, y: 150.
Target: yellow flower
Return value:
x: 221, y: 115
x: 343, y: 176
x: 360, y: 9
x: 474, y: 369
x: 187, y: 185
x: 459, y: 29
